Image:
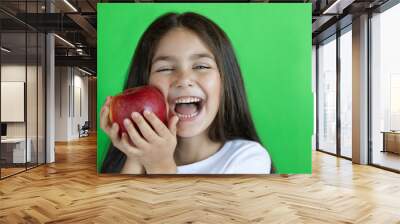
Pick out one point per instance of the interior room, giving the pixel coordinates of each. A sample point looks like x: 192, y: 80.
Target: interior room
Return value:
x: 22, y: 101
x: 385, y: 90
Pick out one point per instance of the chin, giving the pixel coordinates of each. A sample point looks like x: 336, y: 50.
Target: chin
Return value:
x: 187, y: 133
x: 193, y: 131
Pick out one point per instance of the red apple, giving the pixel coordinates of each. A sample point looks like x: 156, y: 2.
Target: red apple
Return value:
x: 137, y: 99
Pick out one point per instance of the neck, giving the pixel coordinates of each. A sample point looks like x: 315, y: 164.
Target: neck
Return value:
x: 194, y: 149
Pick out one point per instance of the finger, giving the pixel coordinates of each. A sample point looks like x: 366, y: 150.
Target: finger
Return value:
x: 108, y: 101
x: 104, y: 120
x: 134, y: 134
x: 144, y: 127
x: 156, y: 123
x: 103, y: 108
x: 104, y: 115
x: 128, y: 148
x: 172, y: 124
x: 118, y: 144
x: 114, y: 133
x: 106, y: 104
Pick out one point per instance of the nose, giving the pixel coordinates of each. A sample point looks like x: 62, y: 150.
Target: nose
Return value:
x: 184, y: 79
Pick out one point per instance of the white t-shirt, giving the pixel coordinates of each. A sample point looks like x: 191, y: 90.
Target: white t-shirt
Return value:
x: 235, y: 157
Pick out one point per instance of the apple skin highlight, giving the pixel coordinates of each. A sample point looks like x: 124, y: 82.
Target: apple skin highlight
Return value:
x: 137, y: 99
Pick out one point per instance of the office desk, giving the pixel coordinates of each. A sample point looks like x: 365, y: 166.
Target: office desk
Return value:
x: 13, y: 150
x: 391, y: 141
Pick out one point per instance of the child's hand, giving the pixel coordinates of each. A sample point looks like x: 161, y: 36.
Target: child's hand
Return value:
x: 132, y: 164
x: 155, y: 147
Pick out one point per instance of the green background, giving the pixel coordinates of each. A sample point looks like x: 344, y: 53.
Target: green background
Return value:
x: 273, y: 46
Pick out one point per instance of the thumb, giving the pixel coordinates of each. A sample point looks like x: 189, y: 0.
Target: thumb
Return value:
x: 108, y: 101
x: 172, y: 124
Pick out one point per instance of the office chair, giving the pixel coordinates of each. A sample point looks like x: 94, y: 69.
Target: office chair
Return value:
x: 84, y: 130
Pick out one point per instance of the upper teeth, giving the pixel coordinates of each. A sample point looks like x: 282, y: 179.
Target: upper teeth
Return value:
x: 188, y: 100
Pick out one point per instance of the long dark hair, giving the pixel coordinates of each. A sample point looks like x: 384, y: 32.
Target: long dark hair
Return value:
x: 233, y: 119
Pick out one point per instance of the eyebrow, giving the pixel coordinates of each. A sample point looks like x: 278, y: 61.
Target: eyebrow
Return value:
x: 192, y: 57
x: 162, y: 58
x: 201, y: 55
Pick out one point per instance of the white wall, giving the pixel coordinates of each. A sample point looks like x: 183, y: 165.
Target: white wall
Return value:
x: 70, y: 83
x: 80, y: 118
x: 34, y: 125
x: 13, y: 73
x: 61, y: 103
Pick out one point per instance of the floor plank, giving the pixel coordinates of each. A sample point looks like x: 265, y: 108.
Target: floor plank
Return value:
x: 70, y: 191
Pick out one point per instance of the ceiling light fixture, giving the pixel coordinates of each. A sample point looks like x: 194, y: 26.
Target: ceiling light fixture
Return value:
x: 329, y: 9
x: 337, y: 7
x: 5, y: 49
x: 64, y: 40
x: 70, y: 5
x: 84, y: 71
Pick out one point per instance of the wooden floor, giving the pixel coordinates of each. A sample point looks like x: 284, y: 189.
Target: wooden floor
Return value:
x: 10, y: 171
x: 70, y: 191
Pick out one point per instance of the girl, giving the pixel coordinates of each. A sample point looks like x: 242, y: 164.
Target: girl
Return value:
x: 210, y: 130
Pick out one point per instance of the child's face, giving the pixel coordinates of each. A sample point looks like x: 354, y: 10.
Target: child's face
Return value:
x: 185, y: 70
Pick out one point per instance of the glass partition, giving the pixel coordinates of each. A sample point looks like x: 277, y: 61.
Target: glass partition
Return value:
x: 385, y: 89
x: 346, y: 93
x: 22, y: 90
x: 327, y: 95
x: 13, y: 94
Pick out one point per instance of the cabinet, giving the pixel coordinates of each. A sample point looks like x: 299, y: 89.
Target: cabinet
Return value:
x: 391, y: 141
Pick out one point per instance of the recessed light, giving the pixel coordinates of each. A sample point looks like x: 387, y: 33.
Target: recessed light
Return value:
x: 5, y: 50
x: 84, y: 71
x: 64, y: 40
x: 70, y: 5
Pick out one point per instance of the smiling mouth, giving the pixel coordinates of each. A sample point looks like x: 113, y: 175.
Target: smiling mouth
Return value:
x: 188, y: 107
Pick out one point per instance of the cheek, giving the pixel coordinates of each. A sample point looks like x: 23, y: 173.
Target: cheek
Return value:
x: 213, y: 85
x: 160, y: 83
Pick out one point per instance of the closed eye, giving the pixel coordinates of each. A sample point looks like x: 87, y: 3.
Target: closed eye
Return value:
x: 201, y: 67
x: 164, y: 70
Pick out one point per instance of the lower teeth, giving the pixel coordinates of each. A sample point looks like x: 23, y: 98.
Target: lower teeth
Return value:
x: 187, y: 115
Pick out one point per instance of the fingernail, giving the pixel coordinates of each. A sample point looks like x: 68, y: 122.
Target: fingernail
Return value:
x: 146, y: 112
x: 135, y: 114
x: 126, y: 122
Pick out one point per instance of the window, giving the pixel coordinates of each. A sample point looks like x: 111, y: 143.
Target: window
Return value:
x: 346, y: 92
x: 327, y: 95
x: 385, y: 88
